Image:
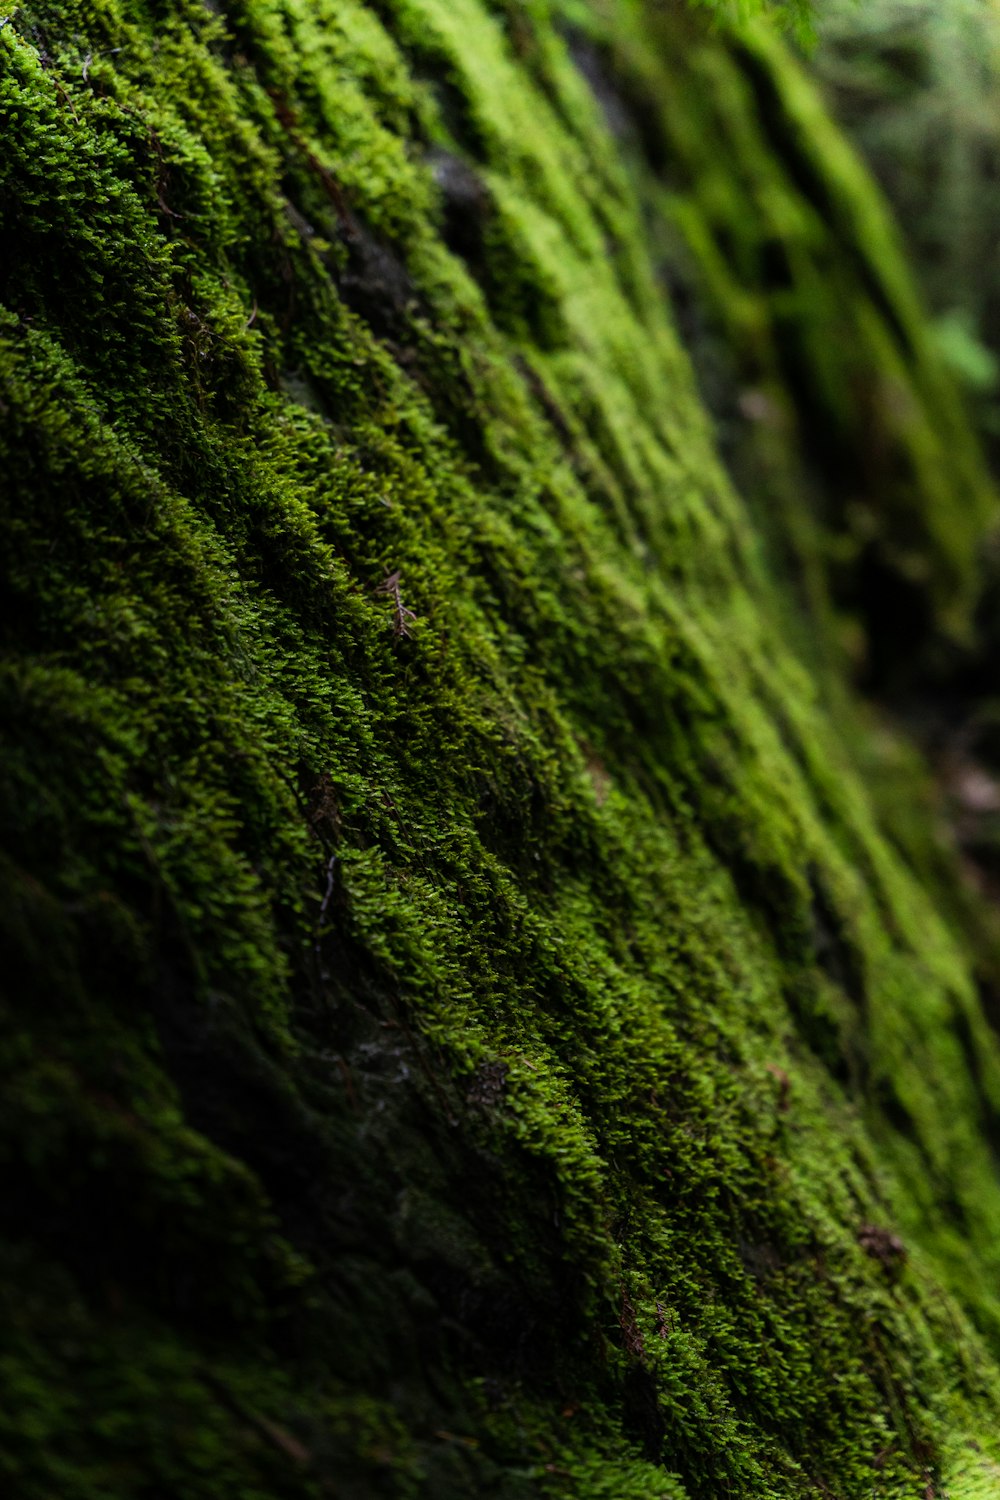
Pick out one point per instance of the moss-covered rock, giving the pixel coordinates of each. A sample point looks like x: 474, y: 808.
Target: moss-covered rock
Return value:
x: 486, y: 1011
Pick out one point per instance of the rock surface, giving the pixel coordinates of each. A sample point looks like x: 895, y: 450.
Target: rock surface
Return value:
x: 489, y: 1008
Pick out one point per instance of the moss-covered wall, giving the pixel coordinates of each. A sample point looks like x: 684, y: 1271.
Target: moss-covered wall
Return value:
x: 485, y: 1008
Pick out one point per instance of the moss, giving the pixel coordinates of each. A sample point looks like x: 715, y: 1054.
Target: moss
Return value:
x: 479, y: 1056
x: 829, y: 360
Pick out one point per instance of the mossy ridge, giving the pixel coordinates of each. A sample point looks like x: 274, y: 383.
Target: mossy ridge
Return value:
x: 567, y: 904
x: 828, y: 367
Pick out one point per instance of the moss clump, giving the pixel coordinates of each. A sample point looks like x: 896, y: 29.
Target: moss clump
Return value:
x: 467, y: 1028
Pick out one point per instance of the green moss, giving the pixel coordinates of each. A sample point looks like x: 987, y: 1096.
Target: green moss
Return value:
x: 829, y: 364
x: 468, y: 1050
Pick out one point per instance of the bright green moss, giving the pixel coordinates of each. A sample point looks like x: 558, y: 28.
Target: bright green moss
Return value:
x: 472, y: 1033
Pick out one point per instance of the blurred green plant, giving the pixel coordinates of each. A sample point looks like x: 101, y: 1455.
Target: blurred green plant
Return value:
x: 796, y: 13
x: 917, y: 86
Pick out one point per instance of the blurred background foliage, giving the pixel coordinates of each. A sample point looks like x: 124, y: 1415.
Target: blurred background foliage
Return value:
x: 916, y: 84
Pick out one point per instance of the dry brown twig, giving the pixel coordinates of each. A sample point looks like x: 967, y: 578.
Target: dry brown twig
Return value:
x: 401, y: 615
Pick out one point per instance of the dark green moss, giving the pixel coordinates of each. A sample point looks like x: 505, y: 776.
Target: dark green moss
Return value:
x: 467, y: 1029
